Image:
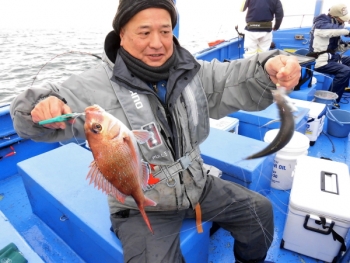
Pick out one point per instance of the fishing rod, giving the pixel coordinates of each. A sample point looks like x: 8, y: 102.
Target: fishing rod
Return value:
x: 240, y: 35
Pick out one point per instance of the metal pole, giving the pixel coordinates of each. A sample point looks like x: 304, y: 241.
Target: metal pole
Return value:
x: 176, y: 30
x: 318, y: 7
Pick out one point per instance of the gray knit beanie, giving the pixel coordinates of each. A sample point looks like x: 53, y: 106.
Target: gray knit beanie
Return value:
x: 128, y: 8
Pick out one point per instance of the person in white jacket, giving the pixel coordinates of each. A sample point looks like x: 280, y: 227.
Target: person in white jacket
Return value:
x: 327, y: 46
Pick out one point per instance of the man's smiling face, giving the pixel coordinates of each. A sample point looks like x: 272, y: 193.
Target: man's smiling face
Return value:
x: 148, y: 36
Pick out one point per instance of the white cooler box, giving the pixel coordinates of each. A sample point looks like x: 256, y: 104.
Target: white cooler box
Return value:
x: 316, y: 118
x: 319, y: 207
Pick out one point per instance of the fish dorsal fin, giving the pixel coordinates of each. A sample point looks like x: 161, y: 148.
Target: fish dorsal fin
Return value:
x: 141, y: 135
x: 99, y: 181
x: 145, y: 174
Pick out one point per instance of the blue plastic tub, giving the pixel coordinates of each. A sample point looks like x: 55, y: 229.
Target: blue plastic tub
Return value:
x: 334, y: 127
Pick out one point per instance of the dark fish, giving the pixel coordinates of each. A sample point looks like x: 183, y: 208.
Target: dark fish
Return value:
x: 117, y: 168
x: 286, y: 130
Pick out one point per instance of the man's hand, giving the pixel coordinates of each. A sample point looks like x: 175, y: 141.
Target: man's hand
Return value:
x: 49, y: 108
x: 284, y: 71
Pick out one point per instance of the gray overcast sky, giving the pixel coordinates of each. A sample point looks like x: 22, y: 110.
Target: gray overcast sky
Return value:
x: 57, y: 14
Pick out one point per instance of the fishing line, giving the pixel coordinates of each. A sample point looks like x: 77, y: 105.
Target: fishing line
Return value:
x: 331, y: 88
x: 62, y: 54
x: 203, y: 223
x: 250, y: 205
x: 329, y: 138
x: 297, y: 127
x: 257, y: 107
x: 65, y: 53
x: 73, y: 122
x: 233, y: 201
x: 268, y: 192
x: 301, y: 124
x: 251, y: 209
x: 240, y: 40
x: 261, y: 175
x: 277, y: 202
x: 281, y: 205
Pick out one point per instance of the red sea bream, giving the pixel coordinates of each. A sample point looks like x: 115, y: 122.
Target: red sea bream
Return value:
x: 117, y: 167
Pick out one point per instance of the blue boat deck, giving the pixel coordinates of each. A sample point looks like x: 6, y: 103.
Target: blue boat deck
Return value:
x: 40, y: 243
x: 326, y: 146
x: 14, y: 203
x: 43, y: 243
x: 49, y: 247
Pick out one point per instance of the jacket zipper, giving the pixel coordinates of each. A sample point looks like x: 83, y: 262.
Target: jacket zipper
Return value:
x: 154, y: 85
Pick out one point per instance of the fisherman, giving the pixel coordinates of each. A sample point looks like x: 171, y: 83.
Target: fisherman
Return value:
x: 147, y: 80
x: 327, y: 46
x: 258, y: 31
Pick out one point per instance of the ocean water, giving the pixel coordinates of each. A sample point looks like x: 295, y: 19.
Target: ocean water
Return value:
x: 47, y: 41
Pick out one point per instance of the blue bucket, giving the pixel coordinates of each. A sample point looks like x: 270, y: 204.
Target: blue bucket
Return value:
x: 325, y: 97
x: 338, y: 123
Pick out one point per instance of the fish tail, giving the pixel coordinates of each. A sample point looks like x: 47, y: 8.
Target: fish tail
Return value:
x: 146, y: 202
x: 145, y: 217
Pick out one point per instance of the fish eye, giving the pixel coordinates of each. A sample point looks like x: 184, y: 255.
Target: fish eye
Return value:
x: 96, y: 128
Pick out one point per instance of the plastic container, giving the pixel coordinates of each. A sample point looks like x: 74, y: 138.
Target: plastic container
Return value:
x: 321, y: 189
x: 326, y: 97
x: 226, y: 124
x: 285, y: 158
x: 315, y: 120
x: 333, y: 127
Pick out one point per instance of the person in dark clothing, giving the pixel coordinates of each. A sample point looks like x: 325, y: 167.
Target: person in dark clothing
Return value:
x: 258, y: 31
x: 327, y: 47
x: 148, y: 81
